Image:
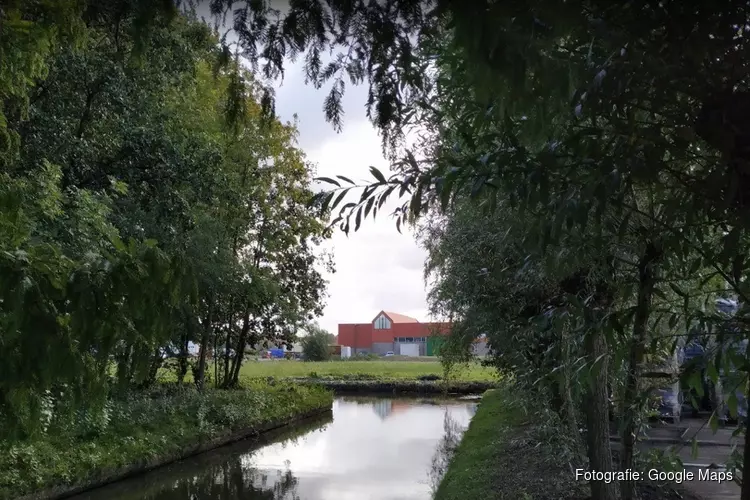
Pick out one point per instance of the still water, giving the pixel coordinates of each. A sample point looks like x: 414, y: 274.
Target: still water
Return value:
x: 367, y: 449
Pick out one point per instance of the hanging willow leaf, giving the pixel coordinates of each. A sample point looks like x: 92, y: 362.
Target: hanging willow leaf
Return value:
x: 369, y: 205
x: 346, y: 179
x: 378, y: 175
x: 327, y: 200
x: 328, y: 180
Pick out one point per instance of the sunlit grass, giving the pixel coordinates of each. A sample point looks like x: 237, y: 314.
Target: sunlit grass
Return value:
x: 376, y: 369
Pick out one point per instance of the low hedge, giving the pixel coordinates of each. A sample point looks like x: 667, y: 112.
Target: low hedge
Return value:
x: 143, y: 427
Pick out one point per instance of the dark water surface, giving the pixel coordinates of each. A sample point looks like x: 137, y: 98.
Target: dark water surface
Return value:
x: 370, y: 449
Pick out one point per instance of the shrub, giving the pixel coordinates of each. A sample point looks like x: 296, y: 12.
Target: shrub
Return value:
x: 142, y: 425
x: 315, y: 346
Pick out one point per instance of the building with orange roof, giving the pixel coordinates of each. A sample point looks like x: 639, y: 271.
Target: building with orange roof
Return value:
x: 391, y: 332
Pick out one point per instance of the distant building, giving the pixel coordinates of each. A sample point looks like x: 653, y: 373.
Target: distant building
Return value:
x: 391, y: 332
x: 402, y: 335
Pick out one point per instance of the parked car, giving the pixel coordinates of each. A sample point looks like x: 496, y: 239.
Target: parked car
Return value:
x: 694, y: 358
x: 389, y: 353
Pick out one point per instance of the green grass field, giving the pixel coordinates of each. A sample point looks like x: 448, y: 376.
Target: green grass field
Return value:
x: 376, y: 369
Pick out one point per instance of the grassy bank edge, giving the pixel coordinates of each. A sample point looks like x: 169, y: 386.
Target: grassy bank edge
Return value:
x: 385, y: 386
x: 308, y: 407
x: 363, y: 370
x: 497, y: 458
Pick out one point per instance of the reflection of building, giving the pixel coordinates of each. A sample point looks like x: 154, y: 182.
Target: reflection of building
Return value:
x: 382, y: 408
x: 401, y: 335
x: 385, y: 408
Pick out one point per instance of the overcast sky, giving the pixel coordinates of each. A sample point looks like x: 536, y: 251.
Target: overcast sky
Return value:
x: 376, y: 267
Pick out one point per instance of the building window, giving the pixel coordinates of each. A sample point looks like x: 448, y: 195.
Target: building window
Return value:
x: 382, y: 323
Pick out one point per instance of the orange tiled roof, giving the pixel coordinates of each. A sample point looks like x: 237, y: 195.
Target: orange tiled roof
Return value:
x: 399, y: 318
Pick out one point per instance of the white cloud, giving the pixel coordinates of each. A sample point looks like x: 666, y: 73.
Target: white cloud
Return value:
x: 376, y: 267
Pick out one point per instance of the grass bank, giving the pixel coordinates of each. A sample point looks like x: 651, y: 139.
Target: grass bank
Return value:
x: 506, y: 454
x: 149, y: 429
x: 361, y: 370
x: 498, y: 458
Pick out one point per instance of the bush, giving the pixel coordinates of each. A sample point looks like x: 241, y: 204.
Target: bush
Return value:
x: 143, y: 425
x: 315, y: 346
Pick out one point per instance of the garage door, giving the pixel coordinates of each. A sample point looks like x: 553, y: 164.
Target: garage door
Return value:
x: 409, y: 349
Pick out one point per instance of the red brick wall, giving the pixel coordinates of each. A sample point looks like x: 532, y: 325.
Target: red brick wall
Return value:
x: 363, y: 335
x: 359, y: 336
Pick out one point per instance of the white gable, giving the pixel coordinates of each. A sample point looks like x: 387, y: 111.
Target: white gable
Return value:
x: 382, y: 322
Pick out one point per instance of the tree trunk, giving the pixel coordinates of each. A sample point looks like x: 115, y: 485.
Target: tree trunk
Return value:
x: 631, y: 414
x: 205, y: 338
x: 123, y: 363
x: 216, y: 360
x: 597, y: 416
x: 153, y: 370
x: 183, y: 361
x: 556, y: 400
x: 566, y: 388
x: 241, y: 344
x: 227, y: 349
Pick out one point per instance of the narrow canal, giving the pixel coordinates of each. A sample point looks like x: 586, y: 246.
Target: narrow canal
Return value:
x: 367, y: 449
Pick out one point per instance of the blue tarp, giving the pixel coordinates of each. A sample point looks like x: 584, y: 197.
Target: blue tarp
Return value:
x: 277, y: 353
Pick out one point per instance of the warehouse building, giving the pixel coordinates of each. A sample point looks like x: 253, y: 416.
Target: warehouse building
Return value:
x: 402, y: 335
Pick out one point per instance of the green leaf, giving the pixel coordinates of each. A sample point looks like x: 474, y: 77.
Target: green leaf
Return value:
x: 327, y: 200
x: 358, y: 219
x: 339, y: 198
x: 384, y: 196
x: 367, y: 192
x: 677, y: 290
x: 369, y: 205
x: 411, y: 160
x: 712, y: 372
x: 445, y: 193
x: 695, y: 265
x: 328, y: 180
x: 346, y: 179
x: 378, y: 175
x: 731, y: 245
x: 416, y: 202
x: 477, y: 185
x: 673, y: 320
x: 695, y: 382
x: 118, y: 243
x: 713, y: 421
x: 732, y: 404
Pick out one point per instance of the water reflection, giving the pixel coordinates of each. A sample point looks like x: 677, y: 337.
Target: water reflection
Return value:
x: 219, y: 474
x: 452, y: 433
x: 373, y: 448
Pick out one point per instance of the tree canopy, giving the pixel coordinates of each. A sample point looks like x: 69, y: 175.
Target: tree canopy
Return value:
x: 136, y: 217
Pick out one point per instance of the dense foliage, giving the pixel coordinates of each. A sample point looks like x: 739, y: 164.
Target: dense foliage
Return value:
x: 152, y: 425
x: 135, y: 218
x: 316, y: 344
